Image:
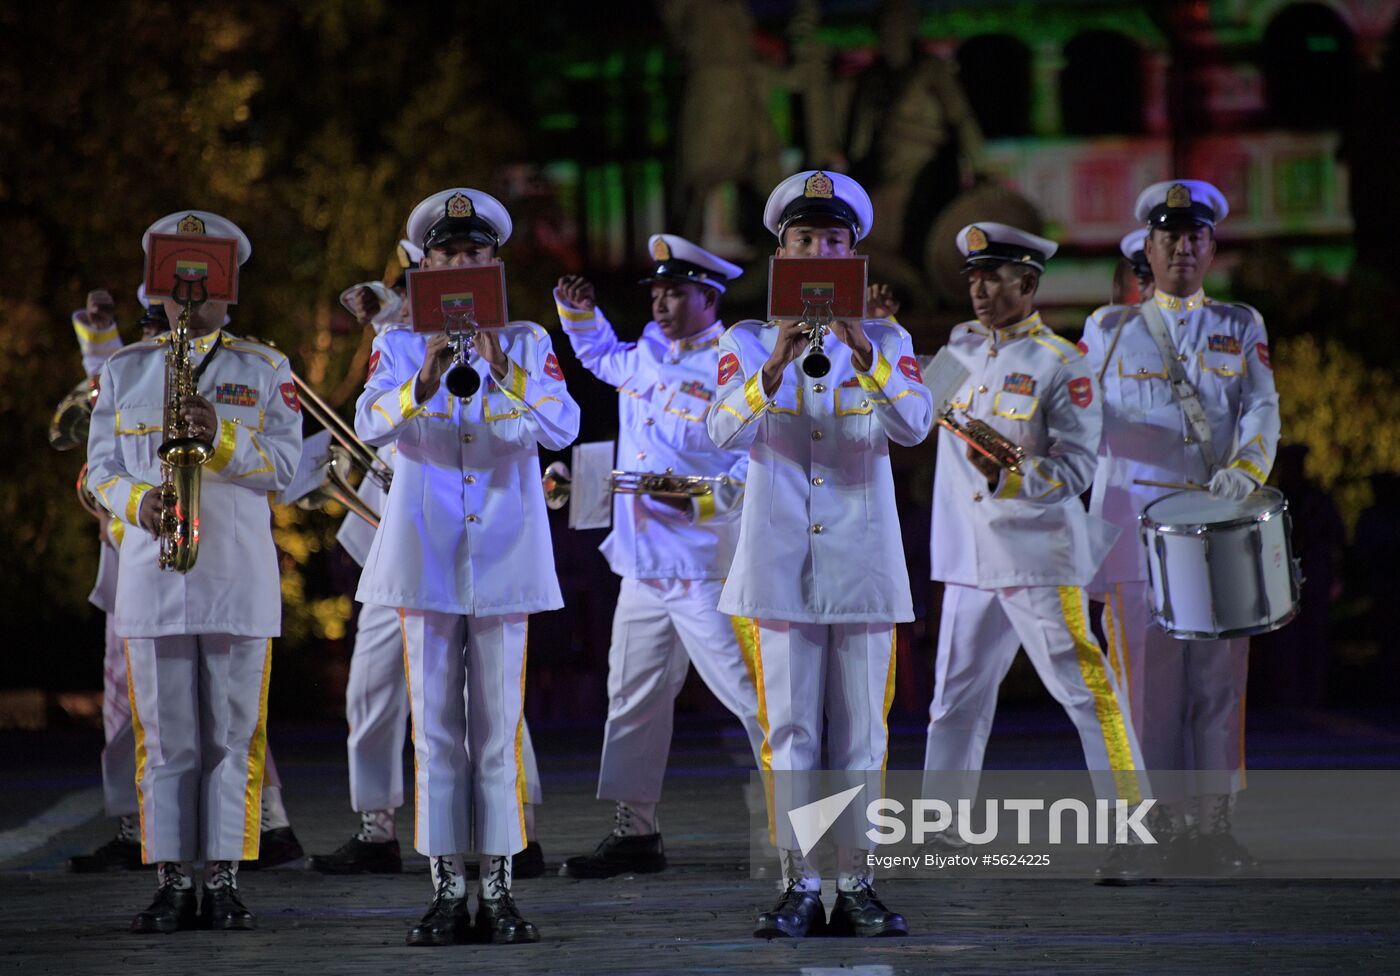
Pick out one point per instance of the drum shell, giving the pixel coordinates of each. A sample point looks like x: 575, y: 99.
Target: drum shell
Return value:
x: 1215, y: 580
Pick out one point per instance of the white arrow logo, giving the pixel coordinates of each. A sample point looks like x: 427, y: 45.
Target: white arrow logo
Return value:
x: 812, y: 821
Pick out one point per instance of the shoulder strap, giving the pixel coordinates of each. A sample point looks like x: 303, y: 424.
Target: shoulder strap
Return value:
x: 1182, y: 387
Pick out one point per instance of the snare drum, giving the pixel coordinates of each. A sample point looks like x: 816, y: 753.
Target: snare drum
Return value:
x: 1218, y: 569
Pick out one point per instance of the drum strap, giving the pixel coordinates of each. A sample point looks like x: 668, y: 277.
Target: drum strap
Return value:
x: 1182, y: 387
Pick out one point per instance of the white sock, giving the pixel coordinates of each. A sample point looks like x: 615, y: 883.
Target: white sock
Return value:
x: 635, y: 819
x: 798, y: 872
x: 220, y: 874
x: 529, y: 820
x: 495, y: 876
x: 128, y: 829
x: 376, y: 827
x: 178, y: 874
x: 447, y: 876
x: 852, y: 871
x: 274, y: 815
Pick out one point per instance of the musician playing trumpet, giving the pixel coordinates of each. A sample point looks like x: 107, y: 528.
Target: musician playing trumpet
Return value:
x: 671, y: 542
x: 198, y: 644
x: 1015, y: 548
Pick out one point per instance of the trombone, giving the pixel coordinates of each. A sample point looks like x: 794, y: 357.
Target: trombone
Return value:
x: 558, y: 484
x: 352, y: 450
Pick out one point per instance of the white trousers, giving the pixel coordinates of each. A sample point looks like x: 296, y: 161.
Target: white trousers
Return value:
x: 660, y: 628
x: 199, y: 719
x: 466, y: 689
x: 844, y: 672
x: 978, y: 636
x: 1187, y: 696
x: 119, y: 746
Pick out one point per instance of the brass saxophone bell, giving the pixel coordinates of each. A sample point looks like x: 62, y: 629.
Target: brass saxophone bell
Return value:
x: 462, y: 381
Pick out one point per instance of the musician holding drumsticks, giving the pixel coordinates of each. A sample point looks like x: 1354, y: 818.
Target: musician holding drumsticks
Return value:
x: 1188, y: 397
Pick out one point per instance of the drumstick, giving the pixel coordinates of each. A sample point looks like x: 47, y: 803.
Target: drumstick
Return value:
x: 1178, y: 485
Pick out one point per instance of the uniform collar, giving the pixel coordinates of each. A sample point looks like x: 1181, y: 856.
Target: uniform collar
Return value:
x: 703, y: 339
x: 1171, y: 303
x: 206, y: 342
x: 1011, y: 333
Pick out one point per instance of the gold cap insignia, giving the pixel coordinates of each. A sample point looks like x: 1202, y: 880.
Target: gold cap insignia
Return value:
x: 976, y: 240
x: 661, y: 251
x: 1178, y: 196
x: 818, y: 185
x: 190, y: 224
x: 459, y: 205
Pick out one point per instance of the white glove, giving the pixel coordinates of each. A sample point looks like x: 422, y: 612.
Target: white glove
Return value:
x: 1232, y: 483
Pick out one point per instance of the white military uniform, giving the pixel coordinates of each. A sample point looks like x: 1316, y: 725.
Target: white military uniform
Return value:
x: 672, y: 563
x: 463, y: 552
x: 199, y: 644
x: 820, y: 563
x: 1015, y: 560
x: 1187, y: 697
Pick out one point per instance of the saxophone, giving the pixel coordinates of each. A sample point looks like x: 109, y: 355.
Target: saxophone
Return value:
x: 181, y: 455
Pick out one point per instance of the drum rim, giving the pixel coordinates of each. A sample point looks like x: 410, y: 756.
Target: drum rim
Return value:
x: 1279, y: 507
x: 1237, y: 632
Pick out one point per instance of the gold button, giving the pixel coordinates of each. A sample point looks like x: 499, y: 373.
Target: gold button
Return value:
x: 651, y: 422
x: 818, y: 529
x: 1142, y: 370
x: 818, y: 388
x: 1180, y: 321
x: 982, y: 388
x: 670, y: 470
x: 816, y: 435
x: 466, y: 399
x: 1181, y: 358
x: 470, y: 479
x: 977, y: 497
x: 818, y: 481
x: 473, y: 518
x: 466, y: 438
x: 641, y: 455
x: 1188, y: 439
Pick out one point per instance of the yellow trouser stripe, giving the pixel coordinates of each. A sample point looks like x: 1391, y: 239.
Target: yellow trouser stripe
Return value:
x: 889, y: 700
x: 746, y: 633
x: 257, y: 757
x: 1110, y: 715
x: 521, y: 791
x: 139, y: 731
x: 412, y: 724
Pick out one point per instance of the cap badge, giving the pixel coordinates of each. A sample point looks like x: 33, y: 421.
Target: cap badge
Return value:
x: 190, y: 224
x: 818, y: 185
x: 459, y: 205
x: 1178, y: 196
x: 661, y: 251
x: 976, y: 240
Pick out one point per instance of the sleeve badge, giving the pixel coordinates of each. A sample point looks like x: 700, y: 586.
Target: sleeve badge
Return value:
x: 289, y: 396
x: 1081, y: 391
x: 909, y: 366
x: 1262, y: 348
x: 551, y: 368
x: 728, y: 366
x: 373, y: 364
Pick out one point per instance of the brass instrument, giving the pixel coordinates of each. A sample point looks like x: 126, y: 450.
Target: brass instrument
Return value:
x: 181, y: 454
x: 86, y: 498
x: 461, y: 380
x: 336, y: 486
x: 817, y: 317
x: 352, y: 450
x: 558, y: 484
x: 986, y: 440
x: 69, y: 427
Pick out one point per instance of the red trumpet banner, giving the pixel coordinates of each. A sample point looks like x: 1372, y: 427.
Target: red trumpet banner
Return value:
x: 434, y: 293
x: 795, y: 284
x: 190, y: 256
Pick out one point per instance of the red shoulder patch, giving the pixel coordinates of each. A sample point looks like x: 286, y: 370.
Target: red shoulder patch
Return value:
x: 1083, y: 347
x: 551, y: 367
x: 1081, y: 391
x: 728, y: 366
x: 909, y: 366
x: 289, y: 396
x: 1262, y: 349
x: 373, y: 364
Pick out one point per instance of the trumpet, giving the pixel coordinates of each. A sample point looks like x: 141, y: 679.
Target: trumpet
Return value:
x: 817, y: 317
x: 986, y: 440
x: 558, y: 484
x: 461, y: 380
x: 181, y: 454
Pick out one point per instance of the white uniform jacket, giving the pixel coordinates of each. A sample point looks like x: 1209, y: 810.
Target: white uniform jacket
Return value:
x: 666, y: 391
x: 1225, y: 352
x: 97, y: 345
x: 356, y: 535
x: 464, y: 529
x: 234, y: 587
x: 1037, y: 390
x: 819, y: 537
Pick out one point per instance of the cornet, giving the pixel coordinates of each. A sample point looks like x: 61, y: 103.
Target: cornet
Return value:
x: 985, y: 440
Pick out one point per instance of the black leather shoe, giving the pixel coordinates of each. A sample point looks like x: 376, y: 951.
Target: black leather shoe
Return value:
x: 797, y: 915
x: 115, y: 855
x: 173, y: 910
x: 499, y: 921
x: 1220, y: 855
x: 637, y: 854
x: 528, y: 863
x: 861, y: 913
x: 357, y: 856
x: 276, y: 846
x: 221, y: 908
x: 447, y: 922
x: 1129, y: 864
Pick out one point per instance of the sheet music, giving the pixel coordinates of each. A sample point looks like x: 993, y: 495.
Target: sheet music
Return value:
x: 944, y: 375
x: 590, y: 498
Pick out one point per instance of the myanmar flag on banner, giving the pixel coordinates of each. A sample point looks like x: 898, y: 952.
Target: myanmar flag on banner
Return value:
x: 191, y: 269
x: 458, y: 303
x: 818, y: 291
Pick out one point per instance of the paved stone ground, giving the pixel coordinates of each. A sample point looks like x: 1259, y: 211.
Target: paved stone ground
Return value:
x: 694, y: 918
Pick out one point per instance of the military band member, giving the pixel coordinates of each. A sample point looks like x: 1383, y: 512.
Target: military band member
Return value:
x: 198, y: 644
x: 463, y: 553
x: 819, y: 562
x: 672, y: 553
x: 1015, y: 550
x: 1187, y: 695
x: 1131, y: 247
